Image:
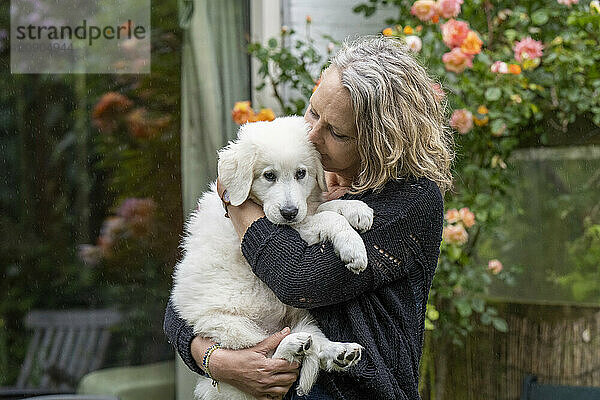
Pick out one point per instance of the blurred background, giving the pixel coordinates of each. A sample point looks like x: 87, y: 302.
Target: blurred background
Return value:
x: 99, y: 172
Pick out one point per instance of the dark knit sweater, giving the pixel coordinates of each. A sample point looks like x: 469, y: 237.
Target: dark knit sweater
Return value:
x: 382, y: 308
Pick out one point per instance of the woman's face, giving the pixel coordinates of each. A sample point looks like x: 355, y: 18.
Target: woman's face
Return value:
x: 333, y: 130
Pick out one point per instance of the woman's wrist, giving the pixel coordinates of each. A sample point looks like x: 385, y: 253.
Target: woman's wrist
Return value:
x: 217, y: 363
x: 244, y: 215
x: 198, y: 348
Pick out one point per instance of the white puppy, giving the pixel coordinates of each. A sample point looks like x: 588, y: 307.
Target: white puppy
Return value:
x: 215, y: 291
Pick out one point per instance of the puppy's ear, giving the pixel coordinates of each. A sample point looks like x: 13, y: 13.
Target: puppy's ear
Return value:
x: 236, y: 169
x: 320, y: 173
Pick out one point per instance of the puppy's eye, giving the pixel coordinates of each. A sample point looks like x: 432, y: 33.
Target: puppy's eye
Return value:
x: 300, y: 174
x: 270, y: 176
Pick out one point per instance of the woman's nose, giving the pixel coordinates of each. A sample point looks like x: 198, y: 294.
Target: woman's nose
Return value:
x: 315, y: 134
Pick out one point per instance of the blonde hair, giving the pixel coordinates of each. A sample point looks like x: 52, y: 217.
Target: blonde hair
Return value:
x: 400, y: 118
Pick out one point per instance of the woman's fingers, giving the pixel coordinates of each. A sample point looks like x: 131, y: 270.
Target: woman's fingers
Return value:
x: 277, y: 392
x: 277, y: 365
x: 283, y: 379
x: 268, y: 345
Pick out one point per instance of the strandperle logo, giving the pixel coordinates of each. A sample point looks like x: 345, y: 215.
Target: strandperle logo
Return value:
x: 74, y: 36
x: 83, y: 31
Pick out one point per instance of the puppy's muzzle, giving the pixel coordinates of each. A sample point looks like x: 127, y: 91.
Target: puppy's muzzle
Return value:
x: 289, y: 212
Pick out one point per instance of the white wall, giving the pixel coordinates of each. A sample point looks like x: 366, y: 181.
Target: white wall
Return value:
x: 333, y: 17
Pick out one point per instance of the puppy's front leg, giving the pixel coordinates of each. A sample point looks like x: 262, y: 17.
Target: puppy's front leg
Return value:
x: 347, y: 243
x: 358, y: 213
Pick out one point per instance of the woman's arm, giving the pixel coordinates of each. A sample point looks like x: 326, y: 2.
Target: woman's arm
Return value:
x: 250, y: 370
x: 313, y: 276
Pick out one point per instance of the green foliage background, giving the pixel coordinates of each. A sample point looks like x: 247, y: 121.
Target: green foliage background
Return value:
x: 61, y: 178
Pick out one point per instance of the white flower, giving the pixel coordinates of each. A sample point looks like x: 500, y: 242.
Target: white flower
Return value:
x: 414, y: 43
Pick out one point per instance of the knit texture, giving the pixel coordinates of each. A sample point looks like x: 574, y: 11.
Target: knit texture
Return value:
x: 382, y: 308
x: 180, y: 335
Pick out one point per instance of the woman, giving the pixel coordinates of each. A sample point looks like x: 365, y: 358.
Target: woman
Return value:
x: 378, y: 123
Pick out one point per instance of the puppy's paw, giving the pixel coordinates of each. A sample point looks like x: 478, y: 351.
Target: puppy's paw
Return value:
x: 294, y: 346
x: 340, y: 356
x: 358, y: 214
x: 351, y: 250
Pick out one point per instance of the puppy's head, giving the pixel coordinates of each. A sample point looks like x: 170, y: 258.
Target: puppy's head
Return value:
x: 274, y: 164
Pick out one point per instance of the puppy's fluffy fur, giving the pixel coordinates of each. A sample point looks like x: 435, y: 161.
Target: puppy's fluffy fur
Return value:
x: 214, y: 289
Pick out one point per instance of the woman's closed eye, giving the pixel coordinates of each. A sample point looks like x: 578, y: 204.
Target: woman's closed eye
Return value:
x: 335, y: 135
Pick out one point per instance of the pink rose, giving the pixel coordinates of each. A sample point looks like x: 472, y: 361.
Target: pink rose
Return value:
x: 528, y: 48
x: 462, y: 120
x: 567, y: 2
x: 454, y: 32
x: 425, y: 10
x: 494, y: 266
x: 414, y: 43
x: 499, y: 67
x: 467, y: 217
x: 452, y: 215
x: 438, y: 92
x: 456, y: 61
x: 448, y: 8
x: 455, y: 234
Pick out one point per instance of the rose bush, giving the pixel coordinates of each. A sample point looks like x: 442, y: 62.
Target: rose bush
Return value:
x: 514, y: 74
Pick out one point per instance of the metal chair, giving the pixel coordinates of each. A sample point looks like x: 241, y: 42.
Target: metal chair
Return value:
x: 532, y: 390
x: 65, y: 346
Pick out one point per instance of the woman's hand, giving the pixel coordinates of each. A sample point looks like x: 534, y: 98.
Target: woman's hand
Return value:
x: 242, y: 216
x: 250, y: 370
x: 337, y: 186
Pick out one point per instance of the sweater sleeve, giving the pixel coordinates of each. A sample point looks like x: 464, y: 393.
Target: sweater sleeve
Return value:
x: 306, y: 276
x: 180, y: 335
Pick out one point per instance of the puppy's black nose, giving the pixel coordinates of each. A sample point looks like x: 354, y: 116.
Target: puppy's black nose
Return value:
x: 289, y: 213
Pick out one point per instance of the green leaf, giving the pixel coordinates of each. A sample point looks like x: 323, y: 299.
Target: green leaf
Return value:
x: 432, y: 313
x: 510, y: 34
x: 540, y: 17
x: 497, y: 125
x: 493, y: 94
x: 429, y: 326
x: 272, y: 43
x: 486, y: 319
x: 500, y: 324
x: 478, y: 304
x: 463, y: 308
x: 454, y: 252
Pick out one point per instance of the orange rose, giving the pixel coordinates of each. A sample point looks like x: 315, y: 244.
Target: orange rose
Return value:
x: 388, y: 32
x: 242, y: 112
x: 467, y: 217
x: 455, y: 234
x: 141, y: 126
x: 456, y: 61
x: 452, y: 215
x: 514, y: 69
x: 471, y: 44
x: 265, y: 114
